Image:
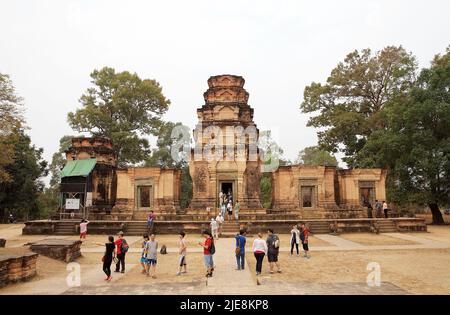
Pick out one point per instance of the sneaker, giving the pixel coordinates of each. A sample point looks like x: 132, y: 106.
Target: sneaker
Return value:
x: 279, y: 271
x: 109, y: 278
x: 178, y: 273
x: 123, y: 271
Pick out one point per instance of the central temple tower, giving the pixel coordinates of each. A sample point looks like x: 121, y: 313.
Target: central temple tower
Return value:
x: 226, y: 155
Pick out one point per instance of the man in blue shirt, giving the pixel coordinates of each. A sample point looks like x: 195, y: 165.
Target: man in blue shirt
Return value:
x: 240, y: 249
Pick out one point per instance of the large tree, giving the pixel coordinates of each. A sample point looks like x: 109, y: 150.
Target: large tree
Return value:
x: 123, y: 107
x: 316, y: 156
x: 350, y: 104
x: 20, y: 195
x: 10, y: 119
x: 415, y: 145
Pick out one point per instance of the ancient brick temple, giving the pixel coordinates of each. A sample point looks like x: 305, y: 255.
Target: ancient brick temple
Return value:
x: 225, y: 157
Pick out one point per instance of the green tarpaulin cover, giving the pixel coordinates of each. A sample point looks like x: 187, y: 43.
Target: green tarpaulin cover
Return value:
x: 78, y: 168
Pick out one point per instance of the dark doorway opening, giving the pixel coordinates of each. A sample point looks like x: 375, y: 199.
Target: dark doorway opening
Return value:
x: 227, y: 189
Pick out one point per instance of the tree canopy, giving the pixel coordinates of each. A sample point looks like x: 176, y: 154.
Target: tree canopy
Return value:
x: 316, y: 156
x: 124, y: 108
x: 349, y: 106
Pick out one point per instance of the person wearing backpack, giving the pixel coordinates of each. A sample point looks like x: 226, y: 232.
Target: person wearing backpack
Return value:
x: 122, y: 249
x: 304, y: 238
x: 240, y: 249
x: 208, y: 252
x: 273, y: 248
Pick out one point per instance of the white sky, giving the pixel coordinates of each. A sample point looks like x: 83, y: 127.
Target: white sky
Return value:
x: 49, y: 48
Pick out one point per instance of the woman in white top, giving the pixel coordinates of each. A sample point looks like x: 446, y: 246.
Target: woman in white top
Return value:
x: 295, y: 239
x: 259, y: 250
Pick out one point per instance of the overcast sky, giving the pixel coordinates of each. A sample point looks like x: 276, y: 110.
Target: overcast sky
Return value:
x: 49, y: 48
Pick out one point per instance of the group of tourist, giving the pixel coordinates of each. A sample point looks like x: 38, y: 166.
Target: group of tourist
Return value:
x: 377, y: 210
x: 226, y: 206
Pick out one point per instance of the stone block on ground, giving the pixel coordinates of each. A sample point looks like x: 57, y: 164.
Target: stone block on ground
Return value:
x: 65, y: 250
x: 15, y: 268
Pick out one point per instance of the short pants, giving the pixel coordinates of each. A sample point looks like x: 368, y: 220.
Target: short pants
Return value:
x: 208, y: 261
x: 305, y: 246
x: 83, y: 234
x: 151, y: 262
x: 272, y: 257
x: 182, y: 260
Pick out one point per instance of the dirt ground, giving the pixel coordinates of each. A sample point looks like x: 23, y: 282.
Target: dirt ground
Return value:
x: 375, y: 239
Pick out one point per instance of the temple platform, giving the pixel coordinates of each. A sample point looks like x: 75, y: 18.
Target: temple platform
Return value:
x: 253, y: 223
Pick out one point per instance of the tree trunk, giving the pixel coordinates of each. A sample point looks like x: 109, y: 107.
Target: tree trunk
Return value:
x: 437, y: 215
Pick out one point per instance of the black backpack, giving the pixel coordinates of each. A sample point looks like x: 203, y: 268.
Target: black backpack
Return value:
x: 124, y: 246
x: 212, y: 248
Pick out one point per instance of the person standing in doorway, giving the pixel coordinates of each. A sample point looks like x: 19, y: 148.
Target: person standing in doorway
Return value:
x: 122, y: 249
x: 273, y: 249
x: 152, y: 253
x: 182, y: 251
x: 295, y: 239
x: 240, y: 249
x: 304, y: 235
x: 259, y: 250
x: 150, y: 221
x: 385, y: 209
x: 83, y: 229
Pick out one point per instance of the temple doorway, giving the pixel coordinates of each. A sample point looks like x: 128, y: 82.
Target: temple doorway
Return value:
x: 226, y: 187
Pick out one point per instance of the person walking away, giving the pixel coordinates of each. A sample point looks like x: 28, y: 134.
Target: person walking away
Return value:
x: 273, y: 248
x: 214, y: 228
x: 304, y: 235
x: 182, y: 251
x: 240, y: 249
x: 259, y: 250
x: 108, y: 256
x: 143, y: 260
x: 295, y: 239
x: 122, y: 249
x: 83, y: 229
x: 150, y: 221
x: 208, y: 252
x: 230, y: 211
x: 152, y: 253
x: 385, y: 209
x: 237, y: 207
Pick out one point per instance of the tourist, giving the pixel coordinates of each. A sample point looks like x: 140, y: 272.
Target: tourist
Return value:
x: 304, y: 233
x: 295, y: 239
x: 273, y: 248
x: 369, y: 210
x: 214, y: 228
x: 385, y: 209
x: 220, y: 198
x: 121, y: 249
x: 182, y: 252
x: 151, y: 250
x: 223, y: 208
x: 208, y: 252
x: 259, y: 250
x: 230, y: 211
x: 150, y: 221
x: 220, y: 220
x: 83, y: 229
x: 110, y: 253
x: 237, y: 207
x: 378, y: 208
x: 143, y: 256
x: 240, y: 249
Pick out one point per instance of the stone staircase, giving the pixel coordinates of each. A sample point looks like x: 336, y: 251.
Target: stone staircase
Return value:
x: 319, y: 227
x: 230, y: 229
x: 386, y: 226
x: 65, y: 228
x: 136, y: 228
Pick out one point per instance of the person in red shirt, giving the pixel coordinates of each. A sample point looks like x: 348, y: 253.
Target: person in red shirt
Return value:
x: 122, y: 248
x: 304, y: 238
x: 208, y: 252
